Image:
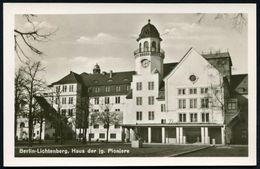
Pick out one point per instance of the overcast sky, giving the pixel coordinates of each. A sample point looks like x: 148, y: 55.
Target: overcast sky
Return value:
x: 81, y: 41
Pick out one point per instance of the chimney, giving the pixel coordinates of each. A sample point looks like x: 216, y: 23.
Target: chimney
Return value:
x: 110, y: 74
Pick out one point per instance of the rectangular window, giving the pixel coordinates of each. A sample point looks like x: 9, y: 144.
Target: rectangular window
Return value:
x: 70, y: 100
x: 96, y: 100
x: 163, y: 121
x: 118, y: 88
x: 204, y: 90
x: 96, y: 110
x: 232, y: 106
x: 91, y: 135
x: 193, y: 91
x: 182, y: 117
x: 205, y: 103
x: 117, y: 99
x: 106, y: 100
x: 112, y: 135
x: 64, y: 88
x: 70, y: 112
x: 71, y: 88
x: 117, y: 110
x: 151, y: 115
x: 163, y: 109
x: 193, y: 103
x: 138, y: 100
x: 150, y: 85
x: 182, y: 103
x: 96, y: 89
x: 150, y: 100
x: 57, y: 88
x: 101, y: 135
x: 193, y: 117
x: 64, y: 100
x: 63, y: 112
x: 127, y: 87
x: 181, y: 91
x: 116, y: 126
x: 96, y: 126
x: 205, y: 117
x: 107, y: 89
x: 139, y: 86
x: 139, y: 115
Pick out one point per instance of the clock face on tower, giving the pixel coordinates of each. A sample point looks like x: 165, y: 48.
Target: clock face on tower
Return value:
x: 145, y: 63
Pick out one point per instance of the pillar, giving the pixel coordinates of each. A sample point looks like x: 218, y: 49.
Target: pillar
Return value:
x: 131, y: 134
x: 149, y: 135
x: 206, y: 135
x: 181, y: 135
x: 177, y: 136
x: 223, y: 135
x: 163, y: 135
x: 202, y: 135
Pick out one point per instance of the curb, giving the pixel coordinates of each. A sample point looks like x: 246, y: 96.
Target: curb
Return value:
x: 189, y: 151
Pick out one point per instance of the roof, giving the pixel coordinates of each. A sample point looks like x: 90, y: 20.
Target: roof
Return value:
x: 104, y: 79
x: 70, y: 78
x: 149, y: 30
x: 168, y: 67
x: 218, y: 55
x: 239, y: 81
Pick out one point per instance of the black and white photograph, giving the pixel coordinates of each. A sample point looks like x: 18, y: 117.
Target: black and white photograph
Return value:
x: 129, y: 84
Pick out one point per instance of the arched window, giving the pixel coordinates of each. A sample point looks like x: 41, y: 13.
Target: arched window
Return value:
x: 140, y: 47
x: 153, y: 47
x: 22, y: 125
x: 146, y: 46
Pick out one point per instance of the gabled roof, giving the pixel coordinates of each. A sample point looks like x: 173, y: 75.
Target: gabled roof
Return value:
x: 105, y: 79
x: 218, y: 55
x: 237, y: 79
x: 168, y: 67
x: 70, y: 78
x: 239, y: 84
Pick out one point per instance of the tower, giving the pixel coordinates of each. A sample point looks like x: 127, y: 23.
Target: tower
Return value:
x: 96, y: 69
x: 149, y: 55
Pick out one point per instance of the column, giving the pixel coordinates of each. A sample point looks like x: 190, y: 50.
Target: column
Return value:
x: 149, y: 135
x: 177, y: 136
x: 131, y: 134
x: 202, y: 135
x: 206, y: 135
x: 163, y: 135
x: 223, y: 135
x: 181, y: 135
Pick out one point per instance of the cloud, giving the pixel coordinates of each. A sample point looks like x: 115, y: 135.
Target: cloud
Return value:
x: 100, y: 38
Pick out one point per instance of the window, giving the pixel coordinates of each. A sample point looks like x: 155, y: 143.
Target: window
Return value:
x: 138, y: 100
x: 96, y: 89
x: 64, y: 88
x: 193, y: 91
x: 117, y: 99
x: 56, y: 100
x: 57, y: 88
x: 127, y: 87
x: 70, y: 112
x: 96, y: 110
x: 71, y: 88
x: 106, y: 100
x: 117, y: 110
x: 193, y: 103
x: 91, y: 135
x: 101, y: 135
x: 181, y: 91
x: 139, y: 86
x: 63, y: 112
x: 232, y: 106
x: 150, y: 100
x: 182, y: 117
x: 182, y: 103
x: 70, y: 100
x: 112, y: 135
x: 163, y: 121
x: 146, y: 46
x: 118, y: 88
x: 150, y: 85
x: 204, y: 90
x: 139, y: 115
x: 22, y: 125
x: 96, y: 126
x: 116, y: 126
x: 96, y: 100
x: 153, y: 48
x: 63, y: 100
x: 205, y: 103
x: 205, y: 117
x: 151, y: 115
x: 163, y: 109
x: 193, y: 117
x: 107, y: 89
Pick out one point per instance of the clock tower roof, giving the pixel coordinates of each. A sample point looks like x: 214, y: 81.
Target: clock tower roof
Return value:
x: 149, y: 30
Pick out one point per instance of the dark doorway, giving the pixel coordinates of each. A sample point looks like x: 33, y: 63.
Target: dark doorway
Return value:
x: 156, y: 135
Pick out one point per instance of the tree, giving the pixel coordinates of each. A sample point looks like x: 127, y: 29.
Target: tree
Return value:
x: 33, y: 84
x: 39, y: 118
x: 27, y: 39
x: 19, y: 95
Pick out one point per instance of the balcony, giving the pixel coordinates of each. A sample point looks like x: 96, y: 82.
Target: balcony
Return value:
x: 147, y: 52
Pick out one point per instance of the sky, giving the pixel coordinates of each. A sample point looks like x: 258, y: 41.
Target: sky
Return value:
x: 81, y: 41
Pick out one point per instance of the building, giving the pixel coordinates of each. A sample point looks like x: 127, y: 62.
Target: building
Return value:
x: 194, y: 101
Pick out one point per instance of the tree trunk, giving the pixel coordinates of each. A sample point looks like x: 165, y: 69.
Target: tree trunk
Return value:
x: 107, y: 132
x: 30, y: 118
x: 41, y: 121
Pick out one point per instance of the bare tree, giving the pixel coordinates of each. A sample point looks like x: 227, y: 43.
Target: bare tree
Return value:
x: 33, y: 84
x: 27, y: 39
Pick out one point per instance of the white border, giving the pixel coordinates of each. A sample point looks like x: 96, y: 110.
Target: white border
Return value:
x: 54, y: 8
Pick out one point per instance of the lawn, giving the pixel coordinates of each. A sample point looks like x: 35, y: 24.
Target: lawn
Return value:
x: 102, y: 150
